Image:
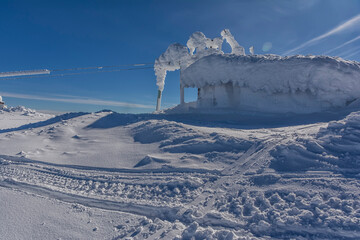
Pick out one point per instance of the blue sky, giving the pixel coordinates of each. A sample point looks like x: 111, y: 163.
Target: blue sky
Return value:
x: 67, y: 34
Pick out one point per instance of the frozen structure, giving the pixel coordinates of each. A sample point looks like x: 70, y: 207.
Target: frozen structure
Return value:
x: 261, y: 83
x: 251, y: 50
x: 2, y: 104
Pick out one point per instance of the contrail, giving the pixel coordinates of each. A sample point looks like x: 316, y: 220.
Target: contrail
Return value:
x: 343, y: 45
x: 355, y: 21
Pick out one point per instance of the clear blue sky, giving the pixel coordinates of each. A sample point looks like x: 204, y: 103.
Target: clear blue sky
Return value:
x: 66, y: 34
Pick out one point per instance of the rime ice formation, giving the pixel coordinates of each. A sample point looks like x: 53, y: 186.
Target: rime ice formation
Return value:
x: 236, y: 48
x: 251, y: 50
x: 264, y: 83
x: 177, y: 56
x: 170, y: 60
x: 197, y: 41
x: 215, y: 43
x: 270, y: 83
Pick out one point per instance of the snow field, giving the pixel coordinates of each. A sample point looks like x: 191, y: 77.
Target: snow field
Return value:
x: 160, y: 177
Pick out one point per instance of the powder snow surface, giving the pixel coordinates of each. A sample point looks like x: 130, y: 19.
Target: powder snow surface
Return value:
x: 18, y: 116
x: 161, y: 176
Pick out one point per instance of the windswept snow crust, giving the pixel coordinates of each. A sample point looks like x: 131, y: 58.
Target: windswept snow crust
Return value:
x: 160, y: 176
x: 17, y: 116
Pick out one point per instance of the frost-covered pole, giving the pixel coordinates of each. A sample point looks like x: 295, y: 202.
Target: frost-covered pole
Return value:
x: 182, y: 97
x: 2, y: 104
x: 251, y: 50
x: 158, y: 102
x: 170, y: 60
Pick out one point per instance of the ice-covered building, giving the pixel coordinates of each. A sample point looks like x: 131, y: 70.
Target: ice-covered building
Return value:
x: 263, y: 83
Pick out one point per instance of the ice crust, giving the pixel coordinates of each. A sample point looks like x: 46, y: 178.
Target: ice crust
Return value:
x: 264, y: 83
x: 178, y: 56
x: 170, y: 60
x: 235, y: 47
x: 281, y: 84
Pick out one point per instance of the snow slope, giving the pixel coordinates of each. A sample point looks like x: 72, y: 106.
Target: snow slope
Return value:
x: 161, y: 176
x: 18, y: 116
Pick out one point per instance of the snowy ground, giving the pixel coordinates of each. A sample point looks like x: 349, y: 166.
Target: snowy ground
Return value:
x: 111, y: 176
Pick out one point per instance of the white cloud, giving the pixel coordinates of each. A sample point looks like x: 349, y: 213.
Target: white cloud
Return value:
x: 349, y: 24
x: 79, y: 100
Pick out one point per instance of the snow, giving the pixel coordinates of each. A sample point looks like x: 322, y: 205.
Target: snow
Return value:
x: 18, y: 116
x: 270, y: 83
x: 260, y: 83
x: 251, y: 50
x: 177, y: 56
x: 170, y: 60
x: 30, y: 216
x: 179, y: 176
x: 236, y: 49
x: 197, y: 41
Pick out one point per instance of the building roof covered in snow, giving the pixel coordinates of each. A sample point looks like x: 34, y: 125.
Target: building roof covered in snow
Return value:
x: 302, y: 81
x: 329, y: 78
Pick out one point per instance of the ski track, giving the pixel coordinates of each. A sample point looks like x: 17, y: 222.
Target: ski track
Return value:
x: 244, y: 199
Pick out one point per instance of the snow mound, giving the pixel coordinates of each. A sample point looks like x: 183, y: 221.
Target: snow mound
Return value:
x: 334, y: 148
x: 177, y: 138
x: 13, y: 117
x: 23, y: 110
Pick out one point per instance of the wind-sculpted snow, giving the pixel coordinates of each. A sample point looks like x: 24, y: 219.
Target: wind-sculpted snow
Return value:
x: 50, y: 121
x: 335, y: 147
x: 176, y: 138
x: 152, y: 176
x: 13, y: 117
